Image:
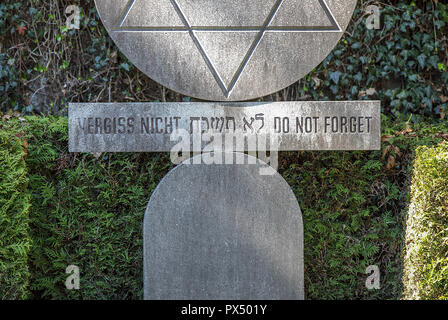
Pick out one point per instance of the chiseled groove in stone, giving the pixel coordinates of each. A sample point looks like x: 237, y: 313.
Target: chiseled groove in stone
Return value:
x: 124, y: 15
x: 85, y: 137
x: 201, y: 50
x: 330, y: 15
x: 229, y: 29
x: 334, y: 27
x: 227, y: 91
x: 271, y: 65
x: 254, y: 47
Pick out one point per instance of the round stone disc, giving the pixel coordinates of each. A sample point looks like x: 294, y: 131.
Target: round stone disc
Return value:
x: 226, y: 50
x: 215, y: 232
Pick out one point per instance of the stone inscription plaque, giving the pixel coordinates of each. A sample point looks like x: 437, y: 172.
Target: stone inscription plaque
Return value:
x: 226, y: 50
x: 287, y: 126
x: 223, y: 232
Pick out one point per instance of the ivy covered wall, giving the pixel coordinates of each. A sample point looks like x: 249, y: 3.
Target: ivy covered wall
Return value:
x: 44, y: 66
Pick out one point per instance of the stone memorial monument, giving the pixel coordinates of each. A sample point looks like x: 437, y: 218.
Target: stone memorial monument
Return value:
x: 223, y: 232
x: 224, y: 224
x: 226, y: 50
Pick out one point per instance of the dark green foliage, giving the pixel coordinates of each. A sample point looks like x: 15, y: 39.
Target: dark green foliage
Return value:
x: 348, y: 222
x: 426, y: 263
x: 404, y: 64
x: 89, y: 212
x: 15, y: 242
x: 354, y: 204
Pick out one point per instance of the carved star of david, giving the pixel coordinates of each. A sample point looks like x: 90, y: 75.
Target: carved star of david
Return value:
x: 265, y: 27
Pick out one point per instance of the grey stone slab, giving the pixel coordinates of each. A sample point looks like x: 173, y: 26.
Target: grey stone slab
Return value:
x: 223, y: 232
x: 226, y: 50
x: 287, y: 126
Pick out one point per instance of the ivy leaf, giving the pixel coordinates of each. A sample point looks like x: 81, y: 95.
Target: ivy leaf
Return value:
x: 421, y: 60
x: 125, y: 66
x: 335, y: 76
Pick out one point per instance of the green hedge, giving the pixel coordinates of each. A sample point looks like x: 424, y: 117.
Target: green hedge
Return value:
x: 86, y: 212
x: 89, y: 212
x: 15, y: 242
x: 426, y: 261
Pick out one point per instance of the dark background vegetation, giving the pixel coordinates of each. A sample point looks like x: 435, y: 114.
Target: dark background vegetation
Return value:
x: 59, y: 208
x: 44, y: 66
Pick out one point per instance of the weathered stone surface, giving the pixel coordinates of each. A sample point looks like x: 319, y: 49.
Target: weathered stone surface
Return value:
x: 226, y: 49
x: 142, y: 127
x: 223, y: 232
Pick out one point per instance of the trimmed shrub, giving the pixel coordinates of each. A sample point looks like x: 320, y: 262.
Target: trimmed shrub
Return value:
x: 426, y: 260
x: 15, y: 242
x: 353, y: 206
x: 87, y: 210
